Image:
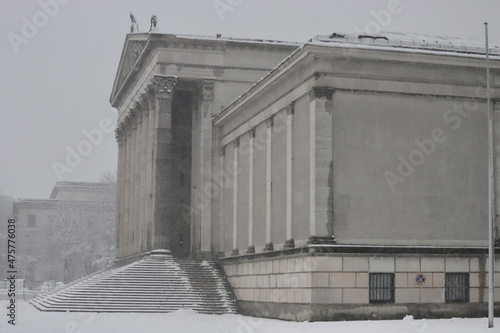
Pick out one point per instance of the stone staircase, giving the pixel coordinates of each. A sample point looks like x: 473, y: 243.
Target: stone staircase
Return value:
x: 157, y: 283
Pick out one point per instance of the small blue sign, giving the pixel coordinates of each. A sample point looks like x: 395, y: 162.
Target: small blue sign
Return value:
x: 420, y: 279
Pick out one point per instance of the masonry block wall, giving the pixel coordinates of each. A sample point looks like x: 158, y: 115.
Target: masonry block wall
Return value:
x: 313, y: 286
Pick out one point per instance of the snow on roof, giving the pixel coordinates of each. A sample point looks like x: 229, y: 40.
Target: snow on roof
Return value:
x: 243, y: 40
x: 400, y: 41
x: 410, y: 41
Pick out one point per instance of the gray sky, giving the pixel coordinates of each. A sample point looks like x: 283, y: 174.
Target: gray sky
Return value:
x: 56, y: 80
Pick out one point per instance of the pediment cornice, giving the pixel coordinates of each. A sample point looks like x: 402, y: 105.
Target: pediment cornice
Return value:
x: 139, y: 48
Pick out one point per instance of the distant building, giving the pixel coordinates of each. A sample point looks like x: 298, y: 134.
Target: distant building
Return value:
x: 338, y: 179
x: 85, y: 210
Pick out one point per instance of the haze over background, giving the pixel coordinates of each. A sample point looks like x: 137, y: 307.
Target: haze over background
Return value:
x: 56, y: 80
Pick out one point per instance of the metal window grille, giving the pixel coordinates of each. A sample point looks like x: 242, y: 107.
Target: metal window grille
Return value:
x: 381, y: 287
x: 457, y: 287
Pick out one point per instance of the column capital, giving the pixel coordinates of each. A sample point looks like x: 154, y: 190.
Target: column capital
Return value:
x: 251, y: 132
x: 324, y: 93
x: 128, y: 125
x: 208, y: 89
x: 150, y: 97
x: 164, y: 86
x: 119, y: 135
x: 144, y: 104
x: 122, y: 128
x: 133, y: 119
x: 138, y: 112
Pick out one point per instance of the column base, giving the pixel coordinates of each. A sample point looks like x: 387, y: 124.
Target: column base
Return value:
x: 269, y: 247
x: 322, y: 240
x: 251, y: 249
x: 289, y: 244
x: 235, y: 252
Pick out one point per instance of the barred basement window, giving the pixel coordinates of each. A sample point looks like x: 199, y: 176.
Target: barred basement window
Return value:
x: 456, y: 287
x: 381, y: 287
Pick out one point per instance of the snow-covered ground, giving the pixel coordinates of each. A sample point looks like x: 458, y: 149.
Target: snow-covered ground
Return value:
x: 30, y: 320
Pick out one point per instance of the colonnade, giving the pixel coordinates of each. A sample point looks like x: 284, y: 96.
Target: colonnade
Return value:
x: 145, y: 200
x: 144, y: 146
x: 320, y: 156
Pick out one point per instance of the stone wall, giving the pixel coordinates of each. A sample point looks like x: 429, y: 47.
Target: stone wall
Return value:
x: 397, y: 183
x: 306, y: 286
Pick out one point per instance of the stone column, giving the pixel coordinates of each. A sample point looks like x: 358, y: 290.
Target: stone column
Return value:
x: 221, y: 202
x: 235, y: 197
x: 143, y: 186
x: 321, y: 166
x: 123, y: 189
x: 269, y: 122
x: 196, y: 202
x: 149, y: 168
x: 289, y: 243
x: 164, y: 89
x: 119, y: 183
x: 206, y: 165
x: 128, y: 164
x: 137, y: 179
x: 251, y: 134
x: 132, y: 198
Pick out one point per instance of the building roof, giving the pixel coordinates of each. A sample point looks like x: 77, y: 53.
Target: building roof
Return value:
x: 388, y: 41
x: 78, y: 186
x: 240, y: 40
x: 410, y: 42
x: 139, y: 47
x: 92, y: 187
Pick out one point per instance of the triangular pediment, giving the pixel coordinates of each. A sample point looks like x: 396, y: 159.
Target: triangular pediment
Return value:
x: 132, y: 50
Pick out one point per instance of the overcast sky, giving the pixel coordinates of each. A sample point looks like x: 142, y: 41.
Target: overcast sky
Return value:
x: 56, y: 78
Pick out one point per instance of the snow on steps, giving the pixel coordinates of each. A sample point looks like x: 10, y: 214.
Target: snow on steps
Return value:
x: 157, y: 283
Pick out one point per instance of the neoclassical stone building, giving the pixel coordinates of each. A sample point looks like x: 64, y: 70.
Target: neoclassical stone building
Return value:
x: 166, y: 91
x: 342, y: 178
